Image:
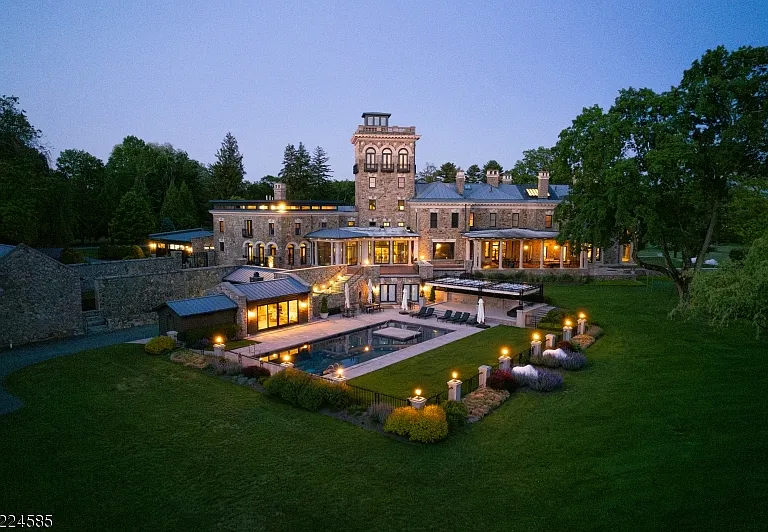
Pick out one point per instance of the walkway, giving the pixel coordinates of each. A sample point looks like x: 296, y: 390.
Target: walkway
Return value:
x: 311, y: 332
x: 19, y: 357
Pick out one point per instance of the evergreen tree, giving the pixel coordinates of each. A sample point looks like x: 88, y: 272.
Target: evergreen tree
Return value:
x: 166, y: 225
x: 179, y: 206
x: 447, y: 172
x: 133, y: 219
x: 85, y: 175
x: 228, y: 171
x: 474, y: 174
x: 320, y: 173
x: 492, y: 164
x: 297, y: 172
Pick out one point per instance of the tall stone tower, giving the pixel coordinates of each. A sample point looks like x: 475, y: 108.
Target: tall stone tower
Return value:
x: 385, y: 171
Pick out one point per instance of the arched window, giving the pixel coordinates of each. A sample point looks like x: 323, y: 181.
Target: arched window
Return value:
x: 261, y: 254
x: 386, y: 161
x: 290, y: 254
x: 303, y: 254
x: 370, y: 160
x: 402, y: 161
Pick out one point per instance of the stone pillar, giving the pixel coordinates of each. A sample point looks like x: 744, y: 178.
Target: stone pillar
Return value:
x: 567, y: 333
x: 410, y: 255
x: 583, y: 259
x: 173, y: 335
x: 505, y: 362
x: 581, y: 326
x: 520, y: 319
x: 467, y: 251
x: 485, y: 373
x: 541, y: 254
x: 417, y: 402
x: 218, y: 350
x: 535, y: 347
x: 501, y: 259
x: 315, y: 253
x: 550, y: 341
x: 454, y: 390
x: 521, y: 256
x: 562, y: 252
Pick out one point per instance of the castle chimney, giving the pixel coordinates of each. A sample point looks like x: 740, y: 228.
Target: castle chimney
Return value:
x: 543, y: 184
x: 492, y: 177
x: 279, y: 190
x: 506, y: 178
x: 460, y: 180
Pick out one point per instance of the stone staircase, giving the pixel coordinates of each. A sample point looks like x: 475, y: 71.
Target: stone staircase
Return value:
x: 537, y: 312
x: 333, y: 286
x: 94, y: 322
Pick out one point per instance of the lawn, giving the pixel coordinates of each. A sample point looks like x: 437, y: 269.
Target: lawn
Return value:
x: 431, y: 371
x: 666, y: 428
x: 237, y: 344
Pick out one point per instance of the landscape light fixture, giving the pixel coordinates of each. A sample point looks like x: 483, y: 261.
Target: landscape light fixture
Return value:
x: 418, y: 392
x: 455, y: 375
x: 536, y: 337
x: 219, y: 340
x: 504, y: 351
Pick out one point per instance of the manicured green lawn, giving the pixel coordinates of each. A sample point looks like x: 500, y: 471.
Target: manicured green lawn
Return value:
x: 667, y: 428
x: 237, y: 344
x: 431, y: 371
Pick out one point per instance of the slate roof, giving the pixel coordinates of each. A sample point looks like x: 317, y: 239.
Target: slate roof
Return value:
x: 5, y: 249
x: 274, y: 289
x: 363, y: 232
x: 201, y: 305
x: 244, y: 273
x: 439, y: 191
x: 184, y: 236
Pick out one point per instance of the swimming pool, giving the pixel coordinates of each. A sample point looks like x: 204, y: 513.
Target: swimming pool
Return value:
x: 326, y: 355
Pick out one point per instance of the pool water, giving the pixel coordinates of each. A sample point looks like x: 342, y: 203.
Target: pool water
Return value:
x: 345, y: 350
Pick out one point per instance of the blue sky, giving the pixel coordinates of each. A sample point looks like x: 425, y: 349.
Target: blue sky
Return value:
x: 479, y: 80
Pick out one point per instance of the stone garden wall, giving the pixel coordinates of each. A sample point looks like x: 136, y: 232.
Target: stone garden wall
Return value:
x: 89, y: 272
x: 126, y: 301
x: 39, y: 298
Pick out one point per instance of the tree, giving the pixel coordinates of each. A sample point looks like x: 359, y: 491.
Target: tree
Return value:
x: 447, y: 172
x: 342, y: 190
x: 659, y: 167
x: 228, y: 171
x: 179, y: 206
x: 492, y: 165
x: 320, y: 172
x: 133, y: 219
x: 526, y: 170
x: 297, y: 172
x: 86, y: 175
x: 261, y: 189
x: 428, y: 173
x: 166, y: 225
x: 746, y: 215
x: 736, y: 291
x: 474, y: 174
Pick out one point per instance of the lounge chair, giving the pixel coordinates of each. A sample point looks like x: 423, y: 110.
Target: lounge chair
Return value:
x: 472, y: 320
x: 448, y: 315
x: 458, y: 317
x: 428, y: 314
x: 418, y: 314
x: 463, y: 319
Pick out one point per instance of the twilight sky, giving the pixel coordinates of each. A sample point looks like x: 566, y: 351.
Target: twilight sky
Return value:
x: 479, y: 80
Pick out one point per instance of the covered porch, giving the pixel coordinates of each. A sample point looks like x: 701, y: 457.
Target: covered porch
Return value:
x: 363, y: 246
x: 521, y: 249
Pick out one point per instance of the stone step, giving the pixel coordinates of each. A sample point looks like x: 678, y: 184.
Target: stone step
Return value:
x: 97, y: 329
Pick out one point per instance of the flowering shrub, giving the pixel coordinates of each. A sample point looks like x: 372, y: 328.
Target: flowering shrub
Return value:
x: 191, y: 359
x: 559, y: 358
x: 502, y: 380
x: 456, y: 414
x: 160, y: 345
x: 547, y: 360
x: 482, y: 401
x: 574, y: 361
x: 379, y: 412
x: 427, y: 425
x: 538, y: 379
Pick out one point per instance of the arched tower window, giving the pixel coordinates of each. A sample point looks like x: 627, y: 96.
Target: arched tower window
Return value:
x: 370, y: 160
x: 403, y: 164
x: 386, y: 161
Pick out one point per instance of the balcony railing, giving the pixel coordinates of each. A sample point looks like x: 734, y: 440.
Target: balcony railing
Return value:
x: 387, y: 167
x: 403, y: 168
x: 392, y: 130
x: 248, y: 233
x: 370, y: 167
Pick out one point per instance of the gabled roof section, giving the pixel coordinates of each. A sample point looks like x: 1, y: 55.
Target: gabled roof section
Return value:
x: 483, y: 192
x: 5, y: 249
x: 274, y: 289
x: 437, y: 191
x: 184, y: 236
x: 244, y: 273
x: 200, y: 305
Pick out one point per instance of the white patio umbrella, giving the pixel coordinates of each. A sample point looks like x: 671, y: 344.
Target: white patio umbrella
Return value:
x: 370, y: 292
x: 346, y: 296
x: 404, y: 304
x: 480, y: 311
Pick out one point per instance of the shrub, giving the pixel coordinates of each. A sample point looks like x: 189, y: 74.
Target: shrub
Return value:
x: 737, y: 254
x: 324, y: 305
x: 456, y: 414
x: 554, y: 319
x: 299, y: 388
x: 379, y: 412
x: 254, y: 372
x: 401, y: 420
x: 160, y: 345
x: 546, y: 381
x: 431, y: 294
x: 544, y: 360
x: 194, y: 336
x: 223, y: 366
x: 135, y: 253
x: 574, y: 361
x: 594, y: 331
x: 312, y: 395
x: 565, y: 345
x: 502, y: 380
x: 71, y: 256
x: 581, y: 342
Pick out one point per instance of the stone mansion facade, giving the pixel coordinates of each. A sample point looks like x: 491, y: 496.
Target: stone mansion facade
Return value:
x: 398, y: 221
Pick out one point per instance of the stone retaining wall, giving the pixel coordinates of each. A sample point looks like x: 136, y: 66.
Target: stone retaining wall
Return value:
x: 89, y: 272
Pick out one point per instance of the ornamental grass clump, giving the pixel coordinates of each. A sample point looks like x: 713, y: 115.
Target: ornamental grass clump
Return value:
x: 483, y: 401
x: 574, y: 361
x: 427, y: 425
x: 191, y: 359
x: 160, y: 345
x: 539, y: 379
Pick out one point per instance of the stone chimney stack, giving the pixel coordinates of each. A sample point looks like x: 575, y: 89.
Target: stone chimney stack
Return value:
x: 506, y: 178
x: 279, y: 190
x: 460, y: 180
x: 543, y: 184
x: 492, y: 177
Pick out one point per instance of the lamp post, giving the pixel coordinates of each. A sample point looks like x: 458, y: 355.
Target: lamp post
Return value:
x: 581, y: 323
x: 504, y: 359
x: 218, y: 346
x: 536, y: 344
x: 567, y: 330
x: 454, y: 387
x: 417, y: 401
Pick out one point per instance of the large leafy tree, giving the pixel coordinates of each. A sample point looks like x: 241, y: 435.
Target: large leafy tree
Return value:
x: 179, y: 206
x: 133, y: 219
x: 228, y: 172
x: 494, y: 165
x: 447, y: 172
x: 659, y: 167
x: 526, y: 170
x: 85, y: 174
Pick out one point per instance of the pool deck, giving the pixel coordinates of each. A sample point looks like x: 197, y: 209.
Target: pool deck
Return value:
x: 307, y: 333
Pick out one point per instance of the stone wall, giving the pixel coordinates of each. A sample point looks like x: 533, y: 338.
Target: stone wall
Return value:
x: 89, y: 272
x: 39, y: 298
x: 319, y: 274
x: 126, y: 301
x: 242, y: 306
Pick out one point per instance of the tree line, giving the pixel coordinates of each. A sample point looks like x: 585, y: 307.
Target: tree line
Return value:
x: 143, y: 187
